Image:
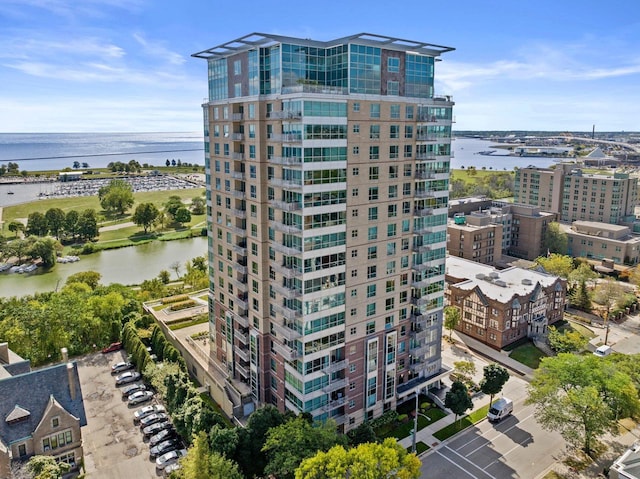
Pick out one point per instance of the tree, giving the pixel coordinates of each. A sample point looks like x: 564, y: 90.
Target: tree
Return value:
x: 554, y: 239
x: 583, y: 273
x: 145, y: 215
x: 288, y: 444
x: 201, y: 463
x: 71, y: 223
x: 451, y: 319
x: 90, y: 278
x: 581, y: 397
x: 55, y: 221
x: 361, y: 434
x: 167, y: 163
x: 199, y: 263
x: 16, y: 227
x: 457, y: 399
x: 581, y: 298
x: 176, y: 267
x: 46, y: 467
x: 197, y: 205
x: 495, y: 377
x: 88, y: 224
x: 46, y: 249
x: 116, y: 196
x: 608, y: 294
x: 37, y: 224
x: 173, y: 204
x: 465, y: 369
x: 164, y: 277
x: 557, y: 264
x: 76, y: 165
x: 568, y: 341
x: 388, y: 460
x: 223, y: 440
x: 183, y: 215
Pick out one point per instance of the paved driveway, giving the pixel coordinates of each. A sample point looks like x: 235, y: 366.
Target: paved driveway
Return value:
x: 113, y: 445
x: 515, y: 448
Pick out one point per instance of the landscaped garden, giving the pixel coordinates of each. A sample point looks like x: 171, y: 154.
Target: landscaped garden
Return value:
x: 525, y: 352
x: 399, y: 423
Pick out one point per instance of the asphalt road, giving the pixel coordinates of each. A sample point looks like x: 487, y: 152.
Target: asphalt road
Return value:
x: 517, y: 447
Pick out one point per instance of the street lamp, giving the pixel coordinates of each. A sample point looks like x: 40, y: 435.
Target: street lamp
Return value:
x: 415, y: 423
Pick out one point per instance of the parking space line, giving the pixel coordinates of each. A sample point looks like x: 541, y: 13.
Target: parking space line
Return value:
x: 468, y: 461
x: 500, y: 433
x: 458, y: 466
x: 505, y: 454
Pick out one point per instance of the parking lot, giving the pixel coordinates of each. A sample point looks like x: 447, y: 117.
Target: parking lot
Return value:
x: 113, y: 444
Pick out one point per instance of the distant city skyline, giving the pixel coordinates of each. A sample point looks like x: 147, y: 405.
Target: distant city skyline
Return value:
x: 125, y: 65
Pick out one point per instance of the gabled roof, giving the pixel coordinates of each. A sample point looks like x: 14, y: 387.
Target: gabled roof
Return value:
x: 18, y: 414
x: 32, y: 392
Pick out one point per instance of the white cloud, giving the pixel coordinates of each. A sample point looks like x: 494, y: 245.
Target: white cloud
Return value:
x: 156, y: 49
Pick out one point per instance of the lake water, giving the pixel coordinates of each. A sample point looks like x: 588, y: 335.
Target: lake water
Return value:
x: 465, y: 151
x: 55, y: 151
x: 131, y: 265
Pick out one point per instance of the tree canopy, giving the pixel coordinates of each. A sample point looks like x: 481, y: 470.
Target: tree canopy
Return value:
x: 581, y: 397
x: 145, y: 215
x: 494, y: 379
x: 388, y: 460
x: 457, y: 399
x: 451, y: 318
x: 557, y: 264
x: 116, y: 196
x: 568, y: 341
x: 554, y: 239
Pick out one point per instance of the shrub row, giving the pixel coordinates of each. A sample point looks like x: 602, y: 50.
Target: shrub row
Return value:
x: 175, y: 299
x: 182, y: 305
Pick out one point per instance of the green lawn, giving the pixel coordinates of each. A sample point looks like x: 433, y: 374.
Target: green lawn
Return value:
x: 457, y: 426
x: 404, y: 429
x: 528, y: 355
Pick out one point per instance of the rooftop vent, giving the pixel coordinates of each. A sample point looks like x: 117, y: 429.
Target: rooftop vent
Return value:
x: 494, y: 275
x: 480, y: 276
x: 499, y: 282
x: 527, y: 281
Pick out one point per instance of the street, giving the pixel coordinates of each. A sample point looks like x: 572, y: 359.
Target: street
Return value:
x: 517, y: 447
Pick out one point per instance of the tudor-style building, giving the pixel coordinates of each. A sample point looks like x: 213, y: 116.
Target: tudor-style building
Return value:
x: 41, y: 411
x: 501, y: 307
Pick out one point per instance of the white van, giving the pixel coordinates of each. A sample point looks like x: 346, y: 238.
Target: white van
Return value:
x: 500, y: 409
x: 603, y: 351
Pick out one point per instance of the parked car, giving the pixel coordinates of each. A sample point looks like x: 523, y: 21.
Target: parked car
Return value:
x: 121, y: 366
x: 146, y: 411
x: 155, y: 428
x: 128, y: 377
x: 112, y: 347
x: 500, y: 409
x: 162, y: 436
x: 134, y: 388
x: 603, y: 351
x: 150, y: 419
x: 169, y: 469
x: 139, y: 397
x: 164, y: 447
x: 169, y: 458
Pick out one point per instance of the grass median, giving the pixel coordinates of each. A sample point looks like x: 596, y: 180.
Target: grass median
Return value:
x: 461, y: 424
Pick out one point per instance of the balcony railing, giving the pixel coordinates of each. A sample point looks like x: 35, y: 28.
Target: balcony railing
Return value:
x: 419, y: 335
x: 237, y: 117
x: 240, y: 302
x: 424, y: 194
x: 420, y: 350
x: 241, y: 320
x: 283, y: 205
x: 423, y: 211
x: 238, y: 175
x: 285, y: 351
x: 334, y: 385
x: 241, y: 336
x: 335, y: 366
x: 284, y: 115
x: 237, y: 136
x: 289, y: 251
x: 290, y: 185
x: 331, y: 405
x: 242, y: 354
x: 287, y: 312
x: 242, y: 370
x: 286, y: 137
x: 237, y: 230
x: 286, y: 160
x: 424, y: 175
x: 321, y: 89
x: 285, y: 332
x: 239, y: 213
x: 286, y: 271
x: 290, y: 229
x: 239, y: 285
x: 237, y: 156
x: 288, y: 293
x: 238, y: 194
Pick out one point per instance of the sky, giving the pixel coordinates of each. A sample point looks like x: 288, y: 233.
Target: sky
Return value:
x: 126, y: 65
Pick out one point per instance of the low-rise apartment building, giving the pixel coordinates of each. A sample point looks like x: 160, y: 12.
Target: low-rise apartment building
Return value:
x: 41, y: 412
x: 593, y: 240
x: 501, y: 307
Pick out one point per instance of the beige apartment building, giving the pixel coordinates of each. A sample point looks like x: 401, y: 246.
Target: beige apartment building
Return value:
x: 327, y: 170
x: 475, y: 237
x: 589, y: 239
x: 501, y: 307
x: 574, y: 195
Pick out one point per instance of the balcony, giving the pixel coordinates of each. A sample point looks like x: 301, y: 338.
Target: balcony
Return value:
x: 241, y: 336
x: 290, y: 229
x: 286, y: 271
x: 288, y: 313
x: 285, y: 291
x: 286, y: 160
x: 237, y: 117
x: 424, y: 175
x: 335, y: 366
x: 284, y: 206
x: 419, y: 335
x: 237, y: 230
x: 331, y: 405
x: 426, y: 118
x: 423, y: 211
x: 238, y: 194
x: 422, y: 156
x: 286, y: 137
x: 237, y: 136
x: 286, y: 352
x: 237, y: 156
x: 430, y: 229
x: 419, y: 351
x: 287, y: 184
x: 284, y: 115
x: 422, y: 248
x: 424, y: 194
x: 417, y: 366
x: 242, y: 353
x: 289, y: 251
x: 239, y: 213
x: 335, y: 385
x: 285, y: 332
x: 242, y: 302
x: 238, y: 175
x: 431, y: 137
x: 242, y: 370
x: 241, y: 320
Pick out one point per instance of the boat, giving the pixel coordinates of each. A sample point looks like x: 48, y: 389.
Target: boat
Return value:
x: 9, y: 192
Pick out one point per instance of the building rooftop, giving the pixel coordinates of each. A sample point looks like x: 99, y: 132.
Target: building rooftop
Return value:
x: 255, y: 40
x: 500, y: 285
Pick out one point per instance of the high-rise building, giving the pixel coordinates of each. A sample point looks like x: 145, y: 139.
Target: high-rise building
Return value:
x: 327, y: 170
